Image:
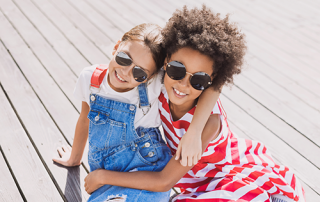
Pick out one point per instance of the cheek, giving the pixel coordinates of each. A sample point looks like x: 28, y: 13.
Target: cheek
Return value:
x: 195, y: 93
x: 167, y: 81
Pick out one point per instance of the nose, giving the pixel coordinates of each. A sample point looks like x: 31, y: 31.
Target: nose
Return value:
x: 126, y: 70
x: 185, y: 80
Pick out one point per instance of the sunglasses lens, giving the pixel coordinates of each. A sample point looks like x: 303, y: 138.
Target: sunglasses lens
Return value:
x: 138, y: 74
x: 123, y: 59
x: 176, y: 70
x: 200, y: 81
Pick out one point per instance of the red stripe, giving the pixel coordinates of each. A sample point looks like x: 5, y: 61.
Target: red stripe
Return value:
x: 235, y: 152
x: 252, y: 194
x: 247, y: 152
x: 181, y: 124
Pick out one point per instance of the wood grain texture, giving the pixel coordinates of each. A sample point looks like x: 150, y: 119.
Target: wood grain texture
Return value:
x: 8, y: 188
x: 26, y: 165
x: 42, y: 130
x: 60, y: 108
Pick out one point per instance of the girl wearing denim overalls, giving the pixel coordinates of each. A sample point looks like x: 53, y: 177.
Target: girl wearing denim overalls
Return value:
x: 120, y: 100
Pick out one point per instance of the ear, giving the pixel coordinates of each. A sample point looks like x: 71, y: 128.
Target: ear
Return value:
x: 166, y: 60
x: 115, y: 48
x: 213, y: 76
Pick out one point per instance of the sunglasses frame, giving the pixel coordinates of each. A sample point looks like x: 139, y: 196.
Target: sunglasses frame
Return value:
x: 134, y: 68
x: 191, y: 75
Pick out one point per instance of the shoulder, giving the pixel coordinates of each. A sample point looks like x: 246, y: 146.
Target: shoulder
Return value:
x: 88, y: 71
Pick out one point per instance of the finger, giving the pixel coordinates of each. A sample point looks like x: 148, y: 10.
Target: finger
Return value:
x: 190, y: 161
x: 60, y: 151
x: 57, y: 160
x: 178, y: 153
x: 195, y: 160
x: 65, y: 148
x: 184, y: 161
x: 199, y: 156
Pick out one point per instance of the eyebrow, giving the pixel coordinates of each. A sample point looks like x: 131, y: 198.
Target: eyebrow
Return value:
x: 135, y: 63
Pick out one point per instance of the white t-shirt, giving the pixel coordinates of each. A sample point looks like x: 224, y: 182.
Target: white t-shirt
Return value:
x: 82, y: 92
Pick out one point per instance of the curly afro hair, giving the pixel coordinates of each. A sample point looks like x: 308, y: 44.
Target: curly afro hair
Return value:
x: 208, y: 33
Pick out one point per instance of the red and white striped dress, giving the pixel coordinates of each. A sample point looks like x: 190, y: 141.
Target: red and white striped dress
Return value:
x: 231, y: 168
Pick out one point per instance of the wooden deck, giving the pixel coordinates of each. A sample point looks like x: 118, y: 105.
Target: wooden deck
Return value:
x: 44, y: 44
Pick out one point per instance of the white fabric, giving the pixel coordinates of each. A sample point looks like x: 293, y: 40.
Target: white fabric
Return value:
x: 151, y: 119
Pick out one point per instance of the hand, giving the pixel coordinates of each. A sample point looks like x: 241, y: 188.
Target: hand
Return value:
x: 190, y: 149
x: 64, y: 159
x: 91, y: 182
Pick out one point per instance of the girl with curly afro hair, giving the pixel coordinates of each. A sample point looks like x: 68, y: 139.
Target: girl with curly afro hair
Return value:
x: 204, y: 51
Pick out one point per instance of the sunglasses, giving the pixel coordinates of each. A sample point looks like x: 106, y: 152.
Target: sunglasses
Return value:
x: 138, y: 73
x: 177, y: 71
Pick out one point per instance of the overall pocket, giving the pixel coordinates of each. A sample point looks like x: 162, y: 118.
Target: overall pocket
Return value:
x: 104, y: 132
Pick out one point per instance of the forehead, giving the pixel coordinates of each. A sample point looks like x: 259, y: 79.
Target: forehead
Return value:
x: 193, y: 60
x: 139, y: 53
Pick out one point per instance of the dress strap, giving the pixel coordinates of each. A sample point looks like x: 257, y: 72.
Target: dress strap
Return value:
x: 98, y: 75
x: 143, y: 96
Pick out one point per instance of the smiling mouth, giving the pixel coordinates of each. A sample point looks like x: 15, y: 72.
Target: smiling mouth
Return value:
x: 178, y: 92
x: 120, y: 78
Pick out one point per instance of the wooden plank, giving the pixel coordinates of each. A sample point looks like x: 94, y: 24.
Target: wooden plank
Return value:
x: 28, y: 169
x: 8, y: 189
x: 125, y: 12
x: 144, y: 13
x: 57, y: 28
x: 51, y: 95
x: 308, y: 128
x: 97, y: 20
x: 48, y: 57
x: 111, y: 14
x: 283, y: 81
x: 278, y: 29
x: 45, y: 134
x: 100, y: 39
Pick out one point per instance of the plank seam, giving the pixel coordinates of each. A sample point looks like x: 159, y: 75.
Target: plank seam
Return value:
x: 37, y: 59
x: 12, y: 174
x: 277, y: 116
x: 65, y: 35
x: 80, y: 12
x: 47, y: 40
x: 269, y: 128
x: 40, y: 102
x: 26, y: 131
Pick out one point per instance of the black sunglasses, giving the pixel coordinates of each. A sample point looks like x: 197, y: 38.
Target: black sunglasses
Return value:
x: 138, y: 73
x: 177, y: 71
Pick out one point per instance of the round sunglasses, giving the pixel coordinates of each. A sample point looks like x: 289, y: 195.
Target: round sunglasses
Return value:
x: 177, y: 71
x: 138, y: 73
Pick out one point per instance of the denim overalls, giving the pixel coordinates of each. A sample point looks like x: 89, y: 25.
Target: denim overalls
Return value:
x: 115, y: 144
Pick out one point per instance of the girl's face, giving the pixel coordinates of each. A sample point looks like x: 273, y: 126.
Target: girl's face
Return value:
x: 180, y: 92
x: 120, y: 78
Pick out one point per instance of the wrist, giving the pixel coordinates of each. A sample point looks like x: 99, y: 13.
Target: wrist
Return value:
x: 194, y: 131
x: 74, y: 161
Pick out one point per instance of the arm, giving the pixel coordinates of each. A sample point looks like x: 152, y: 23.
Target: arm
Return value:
x: 72, y: 157
x: 147, y: 180
x: 190, y: 145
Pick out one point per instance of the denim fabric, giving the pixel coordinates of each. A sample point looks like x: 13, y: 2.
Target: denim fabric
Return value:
x: 115, y: 144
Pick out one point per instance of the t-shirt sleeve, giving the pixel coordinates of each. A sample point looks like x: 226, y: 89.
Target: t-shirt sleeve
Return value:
x: 81, y: 91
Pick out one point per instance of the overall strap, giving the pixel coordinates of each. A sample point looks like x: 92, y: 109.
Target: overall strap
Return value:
x: 143, y: 96
x: 98, y: 75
